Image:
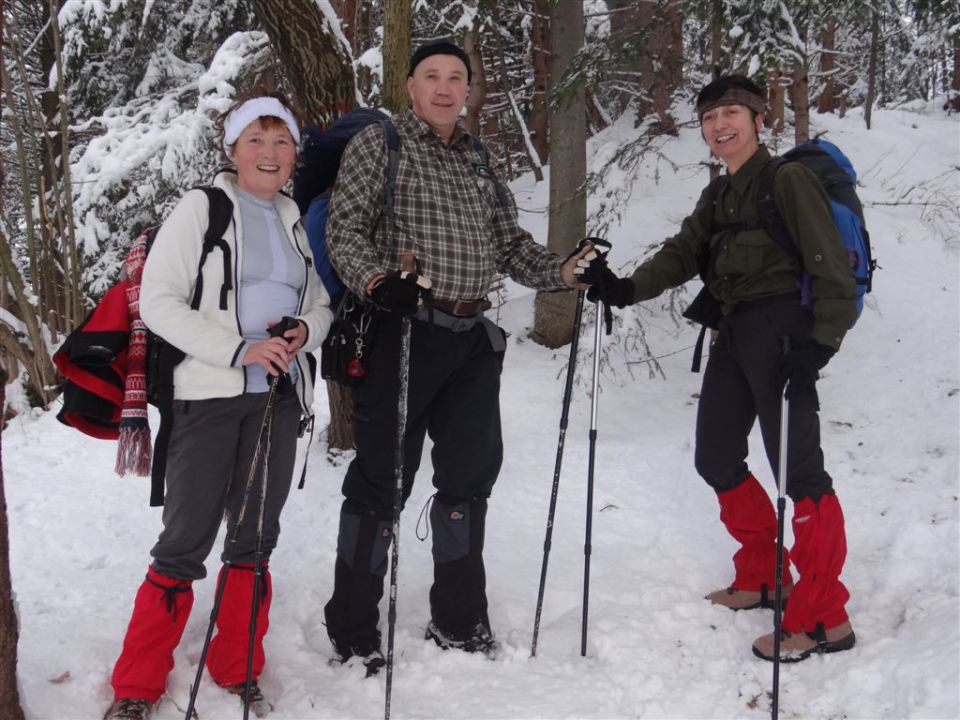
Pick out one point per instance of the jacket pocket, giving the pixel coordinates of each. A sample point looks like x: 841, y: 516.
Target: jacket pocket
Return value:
x: 746, y: 254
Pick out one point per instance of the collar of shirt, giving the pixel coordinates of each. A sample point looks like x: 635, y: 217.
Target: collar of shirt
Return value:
x: 418, y: 128
x: 741, y: 179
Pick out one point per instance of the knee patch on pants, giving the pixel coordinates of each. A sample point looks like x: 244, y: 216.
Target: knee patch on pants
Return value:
x: 364, y: 541
x: 455, y: 524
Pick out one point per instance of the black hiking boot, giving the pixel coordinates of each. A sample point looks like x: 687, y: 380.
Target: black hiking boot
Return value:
x: 129, y: 709
x: 481, y: 640
x: 372, y: 660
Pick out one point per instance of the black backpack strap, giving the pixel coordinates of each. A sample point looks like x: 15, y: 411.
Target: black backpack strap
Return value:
x: 164, y: 357
x: 484, y: 153
x: 770, y: 219
x: 393, y: 163
x: 698, y: 350
x: 220, y: 215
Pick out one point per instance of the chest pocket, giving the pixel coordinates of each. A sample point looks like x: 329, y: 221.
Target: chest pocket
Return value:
x: 746, y: 253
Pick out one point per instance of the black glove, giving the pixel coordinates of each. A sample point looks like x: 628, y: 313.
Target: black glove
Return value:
x: 606, y: 286
x: 398, y: 293
x: 801, y: 367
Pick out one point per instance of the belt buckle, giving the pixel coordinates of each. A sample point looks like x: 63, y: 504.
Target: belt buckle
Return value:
x: 459, y: 308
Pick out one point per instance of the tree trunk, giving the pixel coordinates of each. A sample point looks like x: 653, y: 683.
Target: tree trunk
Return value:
x: 539, y: 122
x: 716, y: 38
x: 9, y: 632
x: 346, y: 10
x: 954, y: 102
x: 659, y: 61
x: 669, y: 61
x: 478, y: 88
x: 776, y: 104
x: 872, y: 71
x: 800, y: 97
x: 8, y: 615
x: 340, y: 430
x: 553, y: 312
x: 625, y: 40
x: 828, y: 62
x: 397, y: 19
x: 315, y: 61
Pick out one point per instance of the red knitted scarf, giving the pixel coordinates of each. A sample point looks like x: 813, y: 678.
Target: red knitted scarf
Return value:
x: 134, y: 451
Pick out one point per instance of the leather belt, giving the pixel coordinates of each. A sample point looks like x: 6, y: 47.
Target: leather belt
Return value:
x: 462, y: 308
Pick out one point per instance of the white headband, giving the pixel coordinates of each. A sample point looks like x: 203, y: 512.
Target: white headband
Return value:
x: 237, y: 121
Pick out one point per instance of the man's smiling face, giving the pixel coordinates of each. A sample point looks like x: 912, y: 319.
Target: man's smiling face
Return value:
x: 438, y: 91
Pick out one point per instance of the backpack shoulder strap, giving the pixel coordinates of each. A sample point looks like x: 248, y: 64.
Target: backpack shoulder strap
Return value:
x: 481, y: 149
x: 218, y: 220
x: 392, y: 139
x: 164, y: 356
x: 770, y: 219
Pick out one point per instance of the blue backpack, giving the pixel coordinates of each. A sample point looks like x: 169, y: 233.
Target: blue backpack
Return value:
x: 316, y: 173
x: 838, y: 178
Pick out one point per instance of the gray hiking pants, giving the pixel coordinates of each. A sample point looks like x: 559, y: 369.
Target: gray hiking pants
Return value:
x: 212, y: 445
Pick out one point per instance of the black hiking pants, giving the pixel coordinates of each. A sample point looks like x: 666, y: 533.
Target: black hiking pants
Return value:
x: 741, y: 383
x: 453, y: 396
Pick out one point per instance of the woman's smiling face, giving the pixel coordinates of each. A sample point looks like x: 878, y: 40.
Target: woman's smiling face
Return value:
x: 731, y: 132
x: 265, y: 155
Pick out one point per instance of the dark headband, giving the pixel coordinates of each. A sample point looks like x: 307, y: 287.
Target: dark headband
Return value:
x: 734, y: 96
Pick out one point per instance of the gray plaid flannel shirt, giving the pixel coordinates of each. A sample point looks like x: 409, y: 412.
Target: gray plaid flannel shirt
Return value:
x: 446, y: 210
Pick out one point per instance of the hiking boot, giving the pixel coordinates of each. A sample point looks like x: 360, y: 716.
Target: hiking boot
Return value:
x: 737, y: 599
x: 258, y: 703
x: 795, y: 647
x: 129, y: 709
x: 480, y: 641
x: 372, y: 660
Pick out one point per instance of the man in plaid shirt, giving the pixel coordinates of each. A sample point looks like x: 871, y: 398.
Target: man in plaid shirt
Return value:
x: 460, y: 223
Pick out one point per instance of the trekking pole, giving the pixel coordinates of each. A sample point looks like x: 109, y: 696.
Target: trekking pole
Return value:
x: 564, y: 415
x: 593, y: 452
x: 398, y: 458
x: 265, y: 426
x: 595, y: 243
x: 225, y: 570
x: 408, y: 263
x: 781, y: 509
x: 257, y: 568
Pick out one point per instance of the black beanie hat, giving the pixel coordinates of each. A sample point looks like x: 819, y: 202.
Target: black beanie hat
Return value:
x: 439, y: 47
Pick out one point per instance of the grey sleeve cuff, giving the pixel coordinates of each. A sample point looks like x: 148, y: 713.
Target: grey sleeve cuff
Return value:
x: 239, y: 354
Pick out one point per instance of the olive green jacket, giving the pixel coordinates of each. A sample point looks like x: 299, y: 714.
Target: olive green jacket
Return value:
x: 749, y: 264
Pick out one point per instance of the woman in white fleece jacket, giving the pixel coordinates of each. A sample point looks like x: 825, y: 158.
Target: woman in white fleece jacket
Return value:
x: 220, y: 397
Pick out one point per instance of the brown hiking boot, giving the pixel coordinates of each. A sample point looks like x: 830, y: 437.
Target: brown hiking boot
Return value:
x: 258, y: 703
x: 129, y: 709
x: 737, y: 599
x: 795, y: 647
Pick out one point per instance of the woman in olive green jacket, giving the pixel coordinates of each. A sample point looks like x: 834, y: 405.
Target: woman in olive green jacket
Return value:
x: 753, y: 280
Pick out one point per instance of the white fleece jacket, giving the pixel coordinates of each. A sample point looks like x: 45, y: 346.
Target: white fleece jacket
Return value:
x: 210, y: 336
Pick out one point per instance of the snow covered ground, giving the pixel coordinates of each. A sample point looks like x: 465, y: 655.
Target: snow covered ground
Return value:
x: 656, y: 649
